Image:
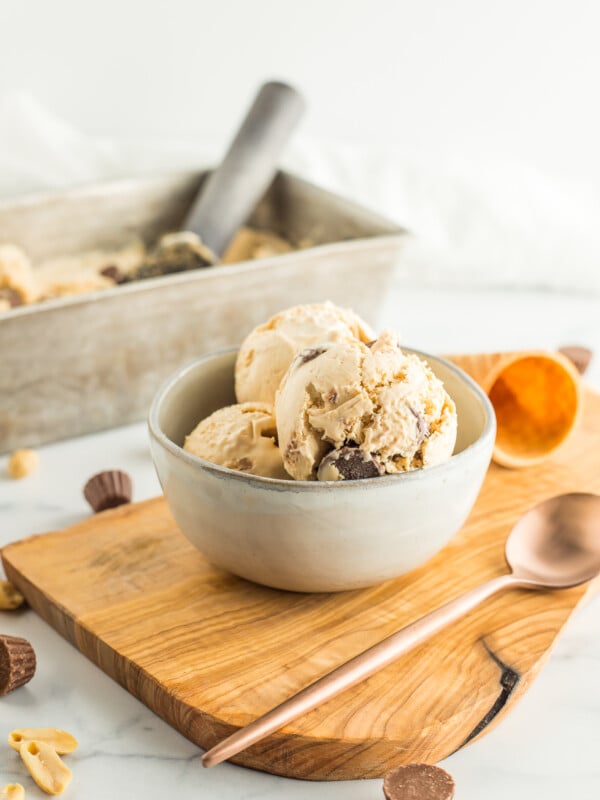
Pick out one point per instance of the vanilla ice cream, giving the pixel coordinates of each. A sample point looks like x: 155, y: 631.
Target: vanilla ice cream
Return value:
x: 241, y: 437
x: 22, y: 283
x: 269, y: 349
x: 17, y: 283
x: 348, y: 410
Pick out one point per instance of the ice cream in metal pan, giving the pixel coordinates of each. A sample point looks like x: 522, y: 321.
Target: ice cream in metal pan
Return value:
x: 24, y: 283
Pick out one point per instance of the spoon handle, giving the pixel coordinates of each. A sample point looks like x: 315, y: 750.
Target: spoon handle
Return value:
x: 233, y: 189
x: 355, y: 670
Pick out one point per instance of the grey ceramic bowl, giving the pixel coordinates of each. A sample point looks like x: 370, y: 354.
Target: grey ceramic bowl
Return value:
x: 311, y: 536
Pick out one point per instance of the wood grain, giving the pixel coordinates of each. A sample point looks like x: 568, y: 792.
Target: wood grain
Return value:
x: 209, y: 652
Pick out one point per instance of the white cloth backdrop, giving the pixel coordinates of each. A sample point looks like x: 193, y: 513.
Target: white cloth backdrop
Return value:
x: 474, y: 224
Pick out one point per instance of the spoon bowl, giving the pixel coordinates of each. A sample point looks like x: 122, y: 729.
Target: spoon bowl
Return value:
x: 557, y: 543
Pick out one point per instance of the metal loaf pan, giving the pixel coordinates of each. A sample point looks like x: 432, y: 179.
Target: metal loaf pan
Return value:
x: 75, y: 365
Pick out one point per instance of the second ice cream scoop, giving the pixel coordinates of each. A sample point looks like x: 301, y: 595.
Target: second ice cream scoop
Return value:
x: 241, y: 437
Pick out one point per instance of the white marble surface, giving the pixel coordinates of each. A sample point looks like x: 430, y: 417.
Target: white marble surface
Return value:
x: 546, y: 748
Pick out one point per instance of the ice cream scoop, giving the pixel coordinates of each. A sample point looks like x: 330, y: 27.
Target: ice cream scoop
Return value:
x: 536, y: 398
x: 267, y: 352
x: 230, y: 193
x: 241, y: 437
x: 233, y: 189
x: 349, y: 410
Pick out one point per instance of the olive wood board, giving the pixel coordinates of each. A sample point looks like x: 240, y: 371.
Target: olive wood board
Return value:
x: 209, y: 652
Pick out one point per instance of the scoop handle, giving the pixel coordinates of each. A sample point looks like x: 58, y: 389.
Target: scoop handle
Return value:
x: 231, y: 191
x: 357, y: 669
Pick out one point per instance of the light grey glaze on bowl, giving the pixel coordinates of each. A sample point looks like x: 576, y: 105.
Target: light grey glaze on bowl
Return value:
x: 311, y: 536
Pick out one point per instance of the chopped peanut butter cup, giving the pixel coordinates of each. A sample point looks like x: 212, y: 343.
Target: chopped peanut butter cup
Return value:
x: 422, y: 781
x: 108, y: 489
x: 349, y: 464
x: 115, y: 274
x: 580, y: 356
x: 17, y: 663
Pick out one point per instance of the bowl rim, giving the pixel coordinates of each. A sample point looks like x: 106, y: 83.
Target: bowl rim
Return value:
x: 156, y: 432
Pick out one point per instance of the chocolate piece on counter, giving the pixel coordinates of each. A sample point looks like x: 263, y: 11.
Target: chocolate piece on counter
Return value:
x: 349, y: 464
x: 418, y: 782
x: 580, y: 356
x: 17, y: 663
x: 108, y: 489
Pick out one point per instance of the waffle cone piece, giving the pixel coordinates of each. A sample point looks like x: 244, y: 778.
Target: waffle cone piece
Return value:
x: 536, y: 397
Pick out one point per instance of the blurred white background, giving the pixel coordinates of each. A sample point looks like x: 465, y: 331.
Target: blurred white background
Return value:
x: 474, y: 124
x: 515, y: 79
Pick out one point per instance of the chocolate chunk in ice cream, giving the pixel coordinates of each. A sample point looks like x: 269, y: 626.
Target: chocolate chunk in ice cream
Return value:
x: 176, y: 252
x: 349, y: 464
x: 115, y: 274
x: 422, y: 426
x: 388, y: 402
x: 311, y: 352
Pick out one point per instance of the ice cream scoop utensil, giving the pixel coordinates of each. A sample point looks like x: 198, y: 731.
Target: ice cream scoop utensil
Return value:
x: 231, y: 191
x: 555, y: 545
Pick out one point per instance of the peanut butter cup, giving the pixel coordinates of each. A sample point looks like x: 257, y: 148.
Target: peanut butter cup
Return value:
x: 17, y: 663
x: 108, y: 489
x: 349, y: 464
x: 422, y: 781
x: 580, y: 356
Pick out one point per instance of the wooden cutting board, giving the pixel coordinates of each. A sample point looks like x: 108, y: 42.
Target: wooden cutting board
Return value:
x: 209, y: 652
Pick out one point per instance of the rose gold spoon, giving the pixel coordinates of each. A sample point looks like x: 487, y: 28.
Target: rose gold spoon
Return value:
x: 555, y: 545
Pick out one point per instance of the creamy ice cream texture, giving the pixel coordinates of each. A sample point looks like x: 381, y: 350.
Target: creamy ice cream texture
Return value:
x: 23, y: 283
x: 347, y: 410
x: 17, y: 284
x: 346, y: 406
x: 242, y: 437
x: 269, y: 349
